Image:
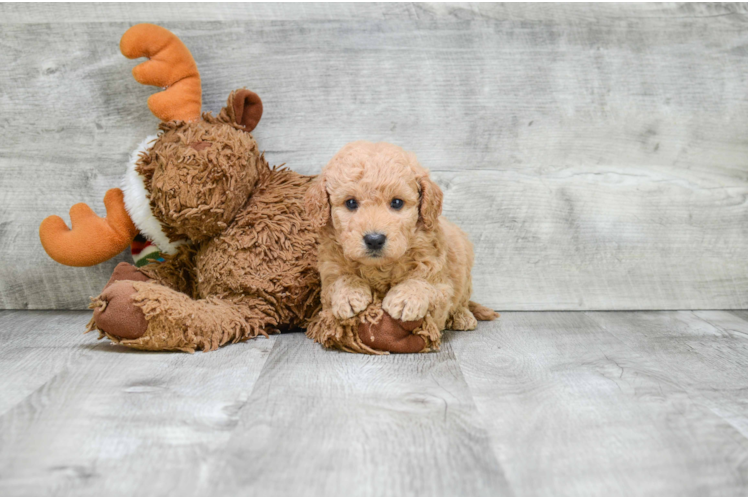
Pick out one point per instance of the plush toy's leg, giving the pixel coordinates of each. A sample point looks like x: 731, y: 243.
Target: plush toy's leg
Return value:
x: 150, y: 316
x: 126, y: 272
x: 391, y: 335
x: 373, y: 331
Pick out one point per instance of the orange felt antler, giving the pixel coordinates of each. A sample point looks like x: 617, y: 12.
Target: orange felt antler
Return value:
x: 170, y: 65
x: 93, y: 239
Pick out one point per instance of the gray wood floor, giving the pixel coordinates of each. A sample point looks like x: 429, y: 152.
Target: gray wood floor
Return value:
x: 564, y: 403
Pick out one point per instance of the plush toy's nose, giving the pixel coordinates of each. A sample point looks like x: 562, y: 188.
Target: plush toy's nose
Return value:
x: 374, y: 241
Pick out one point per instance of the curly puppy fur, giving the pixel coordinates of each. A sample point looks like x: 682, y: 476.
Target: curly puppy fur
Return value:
x: 424, y: 266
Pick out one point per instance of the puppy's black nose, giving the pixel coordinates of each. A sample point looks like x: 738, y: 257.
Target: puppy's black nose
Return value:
x: 374, y: 241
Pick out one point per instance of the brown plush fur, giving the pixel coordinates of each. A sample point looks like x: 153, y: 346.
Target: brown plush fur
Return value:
x: 424, y: 268
x: 197, y: 192
x: 249, y: 267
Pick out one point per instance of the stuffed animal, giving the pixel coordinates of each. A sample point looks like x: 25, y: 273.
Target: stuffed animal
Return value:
x: 239, y: 251
x: 240, y: 254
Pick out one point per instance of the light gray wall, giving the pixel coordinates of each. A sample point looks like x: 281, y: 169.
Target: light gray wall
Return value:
x: 596, y: 154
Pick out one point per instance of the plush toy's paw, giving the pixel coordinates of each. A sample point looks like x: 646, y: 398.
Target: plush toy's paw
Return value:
x: 350, y: 301
x: 125, y: 271
x: 404, y: 303
x: 118, y: 315
x: 391, y: 335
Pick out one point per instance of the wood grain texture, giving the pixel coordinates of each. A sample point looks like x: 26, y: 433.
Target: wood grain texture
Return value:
x: 741, y: 314
x: 114, y: 421
x: 327, y: 423
x: 36, y: 347
x: 159, y: 13
x: 123, y: 422
x: 542, y: 403
x: 706, y: 359
x: 648, y: 403
x: 596, y: 154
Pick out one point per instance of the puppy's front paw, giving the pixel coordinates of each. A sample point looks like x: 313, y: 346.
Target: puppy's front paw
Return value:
x: 405, y: 304
x: 350, y: 301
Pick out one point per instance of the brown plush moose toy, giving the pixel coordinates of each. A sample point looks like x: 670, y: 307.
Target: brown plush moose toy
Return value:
x: 240, y: 252
x: 243, y: 255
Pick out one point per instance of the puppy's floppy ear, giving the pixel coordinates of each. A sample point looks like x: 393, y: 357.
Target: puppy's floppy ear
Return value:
x: 430, y: 207
x: 317, y: 203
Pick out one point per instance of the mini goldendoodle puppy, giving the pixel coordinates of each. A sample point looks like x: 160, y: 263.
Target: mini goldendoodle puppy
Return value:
x: 382, y: 237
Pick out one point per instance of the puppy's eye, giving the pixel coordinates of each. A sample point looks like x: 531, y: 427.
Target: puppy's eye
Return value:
x: 351, y: 204
x: 397, y: 203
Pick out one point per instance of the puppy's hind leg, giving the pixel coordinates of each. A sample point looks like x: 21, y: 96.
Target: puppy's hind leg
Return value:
x: 462, y: 320
x: 482, y: 313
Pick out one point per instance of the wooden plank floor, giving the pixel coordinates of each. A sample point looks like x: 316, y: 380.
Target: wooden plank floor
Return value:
x: 563, y: 403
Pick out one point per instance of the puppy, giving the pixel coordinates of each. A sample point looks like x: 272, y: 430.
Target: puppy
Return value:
x: 382, y: 236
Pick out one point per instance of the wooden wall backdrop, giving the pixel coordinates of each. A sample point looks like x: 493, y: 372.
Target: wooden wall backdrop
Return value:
x: 596, y: 154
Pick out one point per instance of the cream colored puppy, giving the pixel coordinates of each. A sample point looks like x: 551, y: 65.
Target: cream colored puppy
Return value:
x: 381, y: 234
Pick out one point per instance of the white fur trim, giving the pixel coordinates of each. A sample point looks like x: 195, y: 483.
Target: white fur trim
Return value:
x: 138, y: 204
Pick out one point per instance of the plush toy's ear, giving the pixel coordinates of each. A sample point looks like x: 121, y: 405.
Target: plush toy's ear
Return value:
x: 431, y: 203
x: 244, y: 108
x: 317, y: 203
